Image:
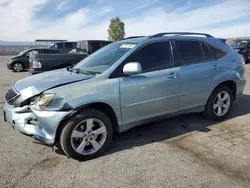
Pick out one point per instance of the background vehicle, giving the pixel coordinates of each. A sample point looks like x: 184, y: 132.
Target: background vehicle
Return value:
x: 20, y: 62
x: 242, y: 46
x: 40, y: 63
x: 46, y: 62
x: 64, y: 47
x: 123, y: 85
x: 90, y: 46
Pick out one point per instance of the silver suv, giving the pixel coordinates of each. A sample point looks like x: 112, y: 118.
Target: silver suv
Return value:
x: 123, y: 85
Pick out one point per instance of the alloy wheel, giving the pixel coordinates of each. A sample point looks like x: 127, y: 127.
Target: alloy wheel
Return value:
x: 88, y: 136
x: 221, y: 103
x: 18, y: 67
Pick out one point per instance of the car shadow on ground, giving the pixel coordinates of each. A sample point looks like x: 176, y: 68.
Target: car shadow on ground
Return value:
x: 170, y: 128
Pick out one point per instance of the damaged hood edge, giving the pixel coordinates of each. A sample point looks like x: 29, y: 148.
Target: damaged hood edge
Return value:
x: 36, y: 84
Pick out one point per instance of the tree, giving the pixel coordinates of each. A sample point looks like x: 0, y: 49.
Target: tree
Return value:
x: 116, y: 29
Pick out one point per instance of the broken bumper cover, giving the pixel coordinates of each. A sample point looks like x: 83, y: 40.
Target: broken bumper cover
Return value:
x: 42, y: 125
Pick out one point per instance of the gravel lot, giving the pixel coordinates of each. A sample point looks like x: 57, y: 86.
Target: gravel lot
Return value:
x: 186, y: 151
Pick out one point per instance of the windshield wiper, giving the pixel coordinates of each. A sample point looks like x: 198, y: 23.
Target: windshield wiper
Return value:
x: 78, y: 70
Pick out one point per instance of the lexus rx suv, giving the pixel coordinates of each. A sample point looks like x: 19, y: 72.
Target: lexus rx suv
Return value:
x: 123, y: 85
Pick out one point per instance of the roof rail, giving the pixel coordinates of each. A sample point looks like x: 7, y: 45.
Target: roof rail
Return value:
x: 180, y: 33
x: 132, y: 37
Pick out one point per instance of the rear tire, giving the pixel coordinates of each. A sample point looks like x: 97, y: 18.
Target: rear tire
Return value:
x: 86, y: 135
x: 219, y: 103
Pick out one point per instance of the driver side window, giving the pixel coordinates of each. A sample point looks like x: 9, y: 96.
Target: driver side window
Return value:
x: 153, y: 57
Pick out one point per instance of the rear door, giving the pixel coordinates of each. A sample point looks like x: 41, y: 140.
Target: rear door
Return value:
x: 198, y: 70
x: 154, y: 92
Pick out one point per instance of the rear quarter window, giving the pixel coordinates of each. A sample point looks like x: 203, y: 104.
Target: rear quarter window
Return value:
x: 217, y: 53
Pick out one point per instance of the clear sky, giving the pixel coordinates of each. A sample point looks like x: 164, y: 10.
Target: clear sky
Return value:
x: 89, y: 19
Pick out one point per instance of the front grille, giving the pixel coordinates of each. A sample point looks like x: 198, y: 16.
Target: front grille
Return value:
x: 11, y: 94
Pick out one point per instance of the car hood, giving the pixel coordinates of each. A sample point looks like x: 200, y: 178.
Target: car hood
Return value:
x: 33, y: 85
x: 16, y: 56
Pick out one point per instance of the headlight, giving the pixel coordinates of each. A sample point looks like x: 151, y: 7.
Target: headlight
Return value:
x: 41, y: 102
x: 237, y: 50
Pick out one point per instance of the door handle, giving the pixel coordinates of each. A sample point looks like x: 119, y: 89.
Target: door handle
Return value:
x: 173, y: 75
x: 216, y: 67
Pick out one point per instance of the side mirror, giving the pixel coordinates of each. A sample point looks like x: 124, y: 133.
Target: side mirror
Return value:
x: 27, y: 54
x: 132, y: 68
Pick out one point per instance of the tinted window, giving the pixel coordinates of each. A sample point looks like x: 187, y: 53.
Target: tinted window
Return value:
x: 189, y: 52
x: 35, y: 52
x: 68, y: 45
x: 94, y: 45
x: 59, y: 45
x: 104, y: 58
x: 217, y: 53
x: 104, y: 43
x: 154, y: 57
x: 207, y: 52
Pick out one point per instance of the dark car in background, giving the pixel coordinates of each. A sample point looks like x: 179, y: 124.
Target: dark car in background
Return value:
x: 90, y: 46
x: 242, y: 46
x: 20, y: 62
x: 64, y: 47
x: 45, y: 62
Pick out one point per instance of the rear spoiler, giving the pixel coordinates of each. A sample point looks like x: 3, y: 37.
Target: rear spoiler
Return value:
x: 223, y: 40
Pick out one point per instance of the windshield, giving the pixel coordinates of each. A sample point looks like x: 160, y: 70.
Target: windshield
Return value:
x: 23, y: 52
x: 52, y: 46
x: 104, y: 58
x: 238, y: 43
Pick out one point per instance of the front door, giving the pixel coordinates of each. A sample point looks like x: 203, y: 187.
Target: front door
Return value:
x: 154, y: 92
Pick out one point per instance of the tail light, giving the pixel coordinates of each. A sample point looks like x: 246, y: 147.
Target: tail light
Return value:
x: 36, y: 64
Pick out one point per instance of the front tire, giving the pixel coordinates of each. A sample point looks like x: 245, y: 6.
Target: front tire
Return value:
x: 86, y: 135
x: 219, y: 103
x: 17, y: 67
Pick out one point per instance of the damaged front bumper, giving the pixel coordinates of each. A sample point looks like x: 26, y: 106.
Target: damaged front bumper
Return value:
x: 42, y: 125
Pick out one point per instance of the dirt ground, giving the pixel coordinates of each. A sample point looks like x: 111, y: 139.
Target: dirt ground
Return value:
x: 186, y: 151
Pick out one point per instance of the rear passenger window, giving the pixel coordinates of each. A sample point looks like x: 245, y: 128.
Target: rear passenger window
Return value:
x: 68, y: 45
x: 156, y: 56
x: 189, y: 52
x: 217, y: 53
x: 207, y: 52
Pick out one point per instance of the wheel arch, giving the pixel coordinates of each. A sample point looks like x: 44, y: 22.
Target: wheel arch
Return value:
x: 230, y: 84
x: 103, y: 107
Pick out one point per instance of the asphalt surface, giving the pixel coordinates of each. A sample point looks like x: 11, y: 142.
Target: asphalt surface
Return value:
x: 186, y: 151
